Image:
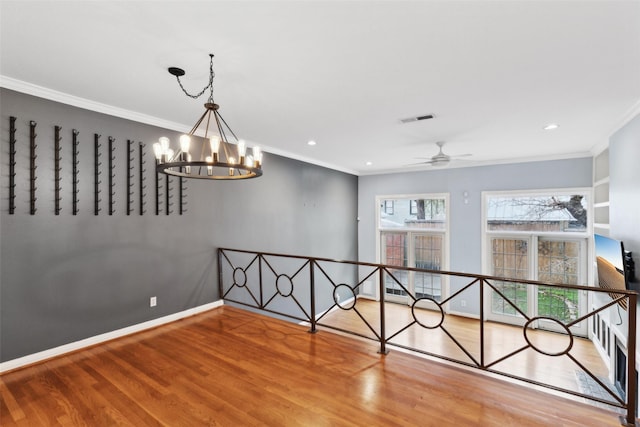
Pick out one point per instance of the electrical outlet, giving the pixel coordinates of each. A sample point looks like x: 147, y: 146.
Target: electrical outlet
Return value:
x: 463, y: 303
x: 153, y: 301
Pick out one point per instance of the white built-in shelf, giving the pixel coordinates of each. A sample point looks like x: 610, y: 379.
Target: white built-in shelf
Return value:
x: 601, y: 202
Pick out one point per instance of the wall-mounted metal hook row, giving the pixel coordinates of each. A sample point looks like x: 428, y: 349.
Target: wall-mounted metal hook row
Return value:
x: 130, y: 175
x: 12, y: 165
x: 168, y: 196
x: 111, y: 174
x: 32, y: 169
x: 158, y: 195
x: 182, y: 187
x: 56, y: 168
x: 141, y: 189
x: 75, y: 172
x: 96, y: 174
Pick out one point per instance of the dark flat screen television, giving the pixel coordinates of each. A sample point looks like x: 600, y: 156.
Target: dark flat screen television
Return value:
x: 610, y: 264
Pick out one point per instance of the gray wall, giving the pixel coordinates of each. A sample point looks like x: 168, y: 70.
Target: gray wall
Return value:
x: 65, y: 278
x: 624, y: 188
x: 465, y: 225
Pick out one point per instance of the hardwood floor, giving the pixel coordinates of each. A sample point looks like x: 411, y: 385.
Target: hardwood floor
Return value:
x: 500, y: 340
x: 230, y: 367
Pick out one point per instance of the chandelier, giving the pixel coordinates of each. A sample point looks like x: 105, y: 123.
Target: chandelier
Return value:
x: 219, y: 158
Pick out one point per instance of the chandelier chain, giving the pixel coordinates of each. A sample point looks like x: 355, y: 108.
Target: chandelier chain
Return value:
x: 209, y: 86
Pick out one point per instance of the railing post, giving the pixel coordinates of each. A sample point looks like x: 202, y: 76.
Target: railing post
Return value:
x: 482, y: 323
x: 631, y: 362
x: 313, y: 296
x: 260, y: 280
x: 383, y: 335
x: 220, y: 273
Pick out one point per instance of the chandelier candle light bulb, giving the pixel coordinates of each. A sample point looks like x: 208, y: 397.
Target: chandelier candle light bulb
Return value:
x: 214, y: 142
x: 228, y: 160
x: 185, y: 141
x: 209, y: 168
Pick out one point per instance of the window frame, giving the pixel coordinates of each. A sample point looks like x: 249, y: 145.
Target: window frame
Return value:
x: 534, y: 236
x: 445, y: 231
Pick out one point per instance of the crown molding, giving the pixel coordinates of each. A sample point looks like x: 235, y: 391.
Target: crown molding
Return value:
x: 87, y: 104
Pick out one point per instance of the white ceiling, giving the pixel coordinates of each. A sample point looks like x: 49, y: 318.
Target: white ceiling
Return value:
x: 343, y: 73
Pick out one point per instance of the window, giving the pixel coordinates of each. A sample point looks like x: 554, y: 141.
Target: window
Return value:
x: 414, y: 235
x: 537, y: 236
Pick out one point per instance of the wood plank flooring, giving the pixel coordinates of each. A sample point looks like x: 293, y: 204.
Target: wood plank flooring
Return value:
x: 229, y: 367
x: 500, y: 340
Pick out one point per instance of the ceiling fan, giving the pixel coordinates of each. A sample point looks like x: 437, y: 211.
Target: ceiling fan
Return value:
x: 441, y: 159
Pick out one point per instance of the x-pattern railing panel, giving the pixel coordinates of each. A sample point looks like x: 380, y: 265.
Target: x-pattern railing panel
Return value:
x: 349, y: 292
x: 272, y: 281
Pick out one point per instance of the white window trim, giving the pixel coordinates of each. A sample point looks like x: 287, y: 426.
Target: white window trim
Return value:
x: 587, y: 234
x: 445, y: 231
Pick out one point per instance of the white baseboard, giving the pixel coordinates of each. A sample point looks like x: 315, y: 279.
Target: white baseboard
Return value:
x: 87, y: 342
x: 464, y: 314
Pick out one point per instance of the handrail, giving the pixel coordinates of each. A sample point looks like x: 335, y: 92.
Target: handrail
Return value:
x: 314, y: 296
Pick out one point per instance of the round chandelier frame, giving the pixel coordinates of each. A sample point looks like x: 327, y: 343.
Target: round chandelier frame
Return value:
x: 219, y: 158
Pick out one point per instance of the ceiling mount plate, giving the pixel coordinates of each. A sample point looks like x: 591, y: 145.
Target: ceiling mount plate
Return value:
x: 175, y: 71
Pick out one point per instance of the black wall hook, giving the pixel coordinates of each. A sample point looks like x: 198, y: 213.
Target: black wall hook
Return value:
x: 56, y: 167
x: 75, y: 171
x: 32, y: 169
x: 111, y: 175
x: 12, y: 165
x: 182, y: 194
x: 97, y: 172
x: 130, y: 176
x: 143, y: 178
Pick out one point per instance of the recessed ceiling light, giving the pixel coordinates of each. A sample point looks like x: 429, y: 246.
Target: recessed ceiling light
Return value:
x: 311, y: 142
x: 368, y: 163
x: 550, y: 126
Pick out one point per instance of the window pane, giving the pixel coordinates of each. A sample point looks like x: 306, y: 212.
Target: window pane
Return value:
x: 412, y: 213
x: 395, y: 253
x: 558, y: 262
x: 428, y: 255
x: 509, y: 258
x: 566, y: 213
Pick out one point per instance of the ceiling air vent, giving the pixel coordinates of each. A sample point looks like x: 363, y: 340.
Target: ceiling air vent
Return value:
x: 418, y: 118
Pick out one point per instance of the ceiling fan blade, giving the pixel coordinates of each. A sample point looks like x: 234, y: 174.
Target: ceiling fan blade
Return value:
x: 428, y: 162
